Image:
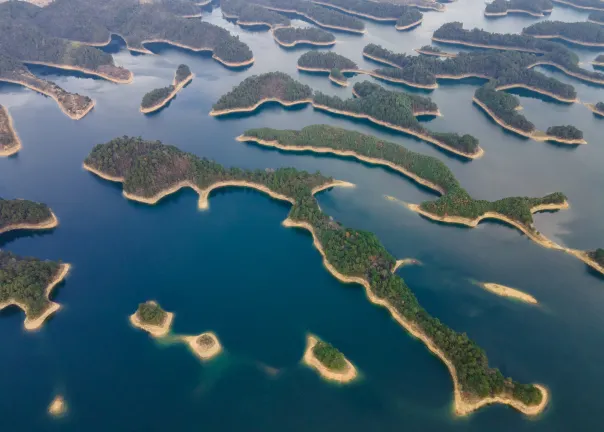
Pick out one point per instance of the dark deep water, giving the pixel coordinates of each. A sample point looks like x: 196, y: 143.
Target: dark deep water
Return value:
x: 235, y: 270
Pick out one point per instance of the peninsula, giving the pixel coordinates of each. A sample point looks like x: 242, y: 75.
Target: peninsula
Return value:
x: 151, y: 318
x: 205, y: 346
x: 21, y: 214
x: 58, y: 406
x: 597, y: 109
x: 504, y: 291
x: 28, y: 283
x: 351, y: 255
x: 535, y: 8
x: 579, y: 33
x: 291, y: 36
x: 248, y: 14
x: 411, y: 18
x: 328, y: 361
x: 158, y: 98
x: 9, y: 140
x: 337, y: 77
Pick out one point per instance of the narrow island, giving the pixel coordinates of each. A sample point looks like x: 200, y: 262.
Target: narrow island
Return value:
x: 328, y: 361
x: 596, y: 17
x: 151, y: 318
x: 337, y: 77
x: 597, y: 109
x: 21, y: 214
x: 9, y: 140
x: 582, y: 4
x: 205, y: 346
x: 535, y: 8
x: 292, y: 36
x: 431, y: 50
x: 250, y: 15
x: 28, y: 283
x: 352, y: 256
x: 158, y: 98
x: 579, y: 33
x: 58, y: 406
x: 504, y: 291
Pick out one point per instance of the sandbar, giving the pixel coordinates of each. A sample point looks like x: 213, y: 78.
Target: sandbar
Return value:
x: 58, y: 406
x: 338, y: 82
x: 595, y: 110
x: 51, y: 222
x: 254, y: 107
x: 408, y: 26
x: 404, y: 262
x: 168, y: 98
x: 504, y: 291
x: 204, y: 352
x: 156, y: 331
x: 344, y: 376
x: 10, y: 130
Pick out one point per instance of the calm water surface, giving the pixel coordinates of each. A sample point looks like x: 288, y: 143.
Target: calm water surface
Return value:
x: 235, y: 270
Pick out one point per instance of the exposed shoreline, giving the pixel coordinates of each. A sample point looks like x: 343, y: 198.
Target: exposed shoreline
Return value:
x: 405, y: 262
x: 579, y: 6
x: 359, y: 14
x: 574, y: 41
x: 462, y: 405
x: 436, y: 54
x: 187, y: 47
x: 320, y: 24
x: 16, y: 140
x: 533, y: 135
x: 168, y: 98
x: 302, y: 42
x: 203, y: 353
x: 567, y: 72
x: 593, y: 108
x: 309, y: 359
x: 522, y: 11
x: 504, y: 291
x: 51, y: 222
x: 157, y: 331
x: 537, y: 90
x: 254, y: 107
x: 36, y: 323
x: 409, y: 26
x: 86, y: 71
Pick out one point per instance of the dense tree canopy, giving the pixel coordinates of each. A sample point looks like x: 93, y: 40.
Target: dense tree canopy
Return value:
x: 325, y: 60
x: 293, y: 35
x: 156, y: 96
x: 408, y: 17
x: 151, y: 313
x: 586, y: 32
x: 182, y: 73
x: 533, y: 6
x: 565, y: 132
x: 504, y: 106
x: 247, y: 12
x: 17, y: 211
x: 336, y: 75
x: 329, y: 356
x: 8, y: 137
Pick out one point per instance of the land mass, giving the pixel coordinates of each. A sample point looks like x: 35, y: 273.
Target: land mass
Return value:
x: 582, y: 4
x: 205, y: 346
x: 151, y: 318
x: 535, y: 8
x: 597, y: 109
x: 504, y: 291
x: 248, y: 14
x: 158, y: 98
x: 580, y: 33
x: 328, y: 361
x: 21, y: 214
x: 291, y: 36
x: 9, y: 140
x: 58, y: 406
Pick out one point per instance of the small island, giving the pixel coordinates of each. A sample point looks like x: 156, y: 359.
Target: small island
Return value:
x: 598, y: 61
x: 582, y: 4
x: 328, y: 361
x: 292, y: 36
x: 158, y: 98
x: 21, y: 214
x: 536, y: 8
x: 9, y: 140
x: 337, y: 77
x: 567, y: 134
x: 580, y: 33
x: 58, y: 406
x: 504, y: 291
x: 596, y: 17
x: 28, y: 283
x: 315, y: 61
x: 205, y: 346
x: 597, y: 109
x: 251, y: 15
x: 151, y: 318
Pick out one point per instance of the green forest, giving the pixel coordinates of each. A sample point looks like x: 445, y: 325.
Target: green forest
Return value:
x: 292, y: 35
x: 19, y: 211
x: 410, y: 16
x: 587, y: 32
x: 337, y: 75
x: 151, y: 313
x: 182, y: 73
x: 504, y: 106
x: 156, y: 96
x: 533, y: 6
x: 329, y: 356
x: 565, y: 132
x: 597, y: 256
x: 149, y: 166
x: 368, y: 9
x: 247, y: 13
x: 24, y: 280
x: 325, y: 60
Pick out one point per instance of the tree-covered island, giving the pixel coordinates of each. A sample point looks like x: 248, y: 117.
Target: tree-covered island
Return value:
x: 582, y: 4
x: 205, y: 346
x: 22, y: 214
x: 249, y: 14
x: 336, y: 76
x: 291, y: 36
x: 28, y: 283
x: 9, y: 140
x: 150, y: 167
x: 536, y: 8
x: 158, y: 98
x: 579, y: 33
x: 328, y: 361
x: 315, y: 61
x: 431, y: 50
x: 152, y: 318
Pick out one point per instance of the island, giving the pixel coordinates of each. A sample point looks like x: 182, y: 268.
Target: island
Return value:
x: 151, y: 318
x: 21, y: 214
x: 28, y: 283
x: 291, y: 36
x: 328, y: 361
x: 597, y: 109
x: 318, y: 15
x: 337, y: 77
x: 9, y: 140
x: 580, y: 33
x: 582, y: 4
x: 352, y: 256
x: 566, y: 134
x: 58, y: 406
x: 551, y: 53
x: 536, y: 8
x: 158, y: 98
x: 73, y: 105
x: 410, y: 18
x: 205, y: 346
x: 250, y: 15
x: 599, y: 61
x: 504, y: 291
x: 431, y: 50
x: 596, y: 17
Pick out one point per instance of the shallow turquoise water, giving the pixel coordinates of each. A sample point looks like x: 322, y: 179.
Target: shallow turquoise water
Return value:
x: 235, y: 270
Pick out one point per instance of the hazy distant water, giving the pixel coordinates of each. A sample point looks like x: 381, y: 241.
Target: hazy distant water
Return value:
x: 235, y: 270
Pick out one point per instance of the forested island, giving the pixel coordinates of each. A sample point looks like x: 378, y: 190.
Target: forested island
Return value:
x: 597, y: 108
x: 152, y: 318
x: 338, y: 77
x: 328, y: 361
x: 319, y: 15
x: 431, y: 50
x: 74, y: 105
x: 27, y: 283
x: 258, y: 89
x: 292, y: 36
x: 580, y: 33
x: 22, y: 214
x: 596, y: 17
x: 352, y: 256
x: 582, y: 4
x: 551, y: 53
x: 315, y: 61
x: 9, y: 140
x: 249, y: 14
x: 205, y: 346
x: 536, y: 8
x: 158, y: 98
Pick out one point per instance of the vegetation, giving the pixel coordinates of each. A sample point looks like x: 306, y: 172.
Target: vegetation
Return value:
x: 205, y: 341
x: 9, y: 142
x: 599, y: 59
x: 504, y: 106
x: 336, y: 75
x: 597, y: 256
x: 565, y: 132
x: 157, y: 96
x: 24, y: 280
x: 410, y: 16
x: 182, y: 73
x: 585, y: 32
x: 370, y: 9
x: 148, y: 167
x: 295, y: 35
x: 535, y: 7
x: 151, y: 313
x: 251, y: 13
x: 329, y: 356
x: 15, y: 212
x: 596, y: 16
x: 325, y: 60
x: 584, y: 4
x: 254, y: 89
x: 600, y: 106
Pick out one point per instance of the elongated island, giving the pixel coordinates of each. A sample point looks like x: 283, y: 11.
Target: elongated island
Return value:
x: 535, y: 8
x: 328, y: 361
x: 431, y: 50
x: 579, y: 33
x: 151, y: 318
x: 158, y: 98
x: 9, y: 140
x: 504, y: 291
x: 351, y: 255
x: 291, y: 36
x: 205, y: 346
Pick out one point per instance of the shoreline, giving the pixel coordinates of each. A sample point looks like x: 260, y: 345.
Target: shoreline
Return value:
x: 574, y: 41
x: 578, y: 6
x: 188, y: 47
x: 567, y: 72
x: 405, y: 262
x: 50, y: 223
x: 509, y: 11
x: 86, y: 71
x: 391, y: 79
x: 538, y: 90
x: 200, y: 352
x: 462, y: 406
x: 157, y: 331
x: 309, y: 359
x: 302, y: 42
x: 16, y: 140
x: 168, y: 98
x: 36, y: 323
x: 358, y: 14
x: 595, y: 22
x: 504, y: 291
x: 434, y: 53
x: 320, y: 24
x: 338, y: 82
x: 593, y: 109
x: 409, y: 26
x: 254, y: 107
x: 532, y: 135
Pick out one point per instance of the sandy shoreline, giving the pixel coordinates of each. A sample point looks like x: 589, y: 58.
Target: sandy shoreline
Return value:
x: 51, y: 222
x: 504, y: 291
x: 177, y: 88
x: 320, y: 24
x: 567, y: 72
x: 391, y: 79
x: 462, y: 405
x: 593, y: 108
x: 338, y: 82
x: 203, y: 353
x: 359, y: 14
x: 537, y: 90
x: 405, y: 262
x: 187, y: 47
x: 574, y: 41
x: 497, y: 47
x: 86, y: 71
x: 595, y: 22
x: 7, y: 151
x: 156, y: 331
x: 522, y: 11
x: 408, y: 26
x: 302, y: 42
x: 309, y: 359
x: 254, y: 107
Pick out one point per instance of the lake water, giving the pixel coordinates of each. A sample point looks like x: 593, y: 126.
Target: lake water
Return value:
x: 261, y: 287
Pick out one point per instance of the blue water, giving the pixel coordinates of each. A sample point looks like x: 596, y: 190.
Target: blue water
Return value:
x: 235, y: 270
